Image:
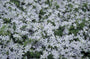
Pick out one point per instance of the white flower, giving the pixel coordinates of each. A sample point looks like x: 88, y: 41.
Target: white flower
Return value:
x: 45, y: 54
x: 76, y: 6
x: 56, y: 54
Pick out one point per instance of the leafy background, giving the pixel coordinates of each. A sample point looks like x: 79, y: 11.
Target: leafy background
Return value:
x: 42, y: 29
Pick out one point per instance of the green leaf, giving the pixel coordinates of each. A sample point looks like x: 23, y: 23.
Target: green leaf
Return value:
x: 59, y: 31
x: 57, y: 6
x: 70, y: 5
x: 23, y: 27
x: 73, y: 30
x: 7, y: 20
x: 17, y: 3
x: 76, y: 9
x: 3, y: 30
x: 32, y: 54
x: 51, y: 22
x: 27, y: 42
x: 14, y: 26
x: 7, y: 53
x: 50, y: 56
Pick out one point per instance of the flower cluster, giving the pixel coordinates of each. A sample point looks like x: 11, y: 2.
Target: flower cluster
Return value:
x: 42, y: 29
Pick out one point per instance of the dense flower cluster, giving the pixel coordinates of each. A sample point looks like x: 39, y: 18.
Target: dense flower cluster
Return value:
x: 42, y: 29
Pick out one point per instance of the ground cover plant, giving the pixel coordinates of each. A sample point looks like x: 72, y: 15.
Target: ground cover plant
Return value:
x: 42, y: 29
